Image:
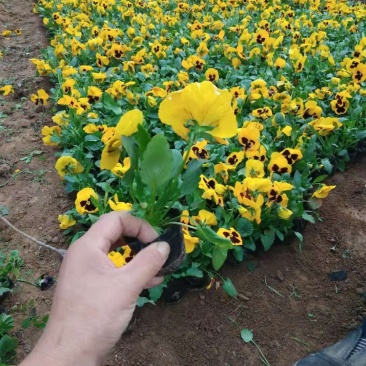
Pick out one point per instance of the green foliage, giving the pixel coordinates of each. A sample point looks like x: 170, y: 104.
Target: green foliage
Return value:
x: 293, y: 104
x: 10, y: 265
x: 8, y: 344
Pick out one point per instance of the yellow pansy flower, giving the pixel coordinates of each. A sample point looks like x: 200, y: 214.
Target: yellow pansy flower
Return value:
x: 116, y: 205
x: 66, y: 221
x: 323, y: 191
x: 203, y: 103
x: 68, y: 165
x: 83, y: 202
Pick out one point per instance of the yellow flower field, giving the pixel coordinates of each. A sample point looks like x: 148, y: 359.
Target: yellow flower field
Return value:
x: 233, y: 112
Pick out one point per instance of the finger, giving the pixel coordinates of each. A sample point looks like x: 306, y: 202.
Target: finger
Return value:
x: 110, y: 227
x: 145, y: 265
x: 156, y: 281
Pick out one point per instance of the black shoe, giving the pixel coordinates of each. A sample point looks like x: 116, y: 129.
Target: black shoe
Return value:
x: 350, y: 351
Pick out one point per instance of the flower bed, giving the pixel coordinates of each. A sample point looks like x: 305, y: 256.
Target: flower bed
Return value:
x: 231, y: 112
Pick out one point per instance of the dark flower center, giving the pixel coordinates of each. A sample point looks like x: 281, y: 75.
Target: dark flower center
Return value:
x: 88, y: 206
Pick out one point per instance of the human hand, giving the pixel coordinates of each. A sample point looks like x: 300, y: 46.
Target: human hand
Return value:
x: 94, y: 301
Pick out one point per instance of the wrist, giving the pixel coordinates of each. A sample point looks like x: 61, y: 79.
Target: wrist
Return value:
x: 53, y: 351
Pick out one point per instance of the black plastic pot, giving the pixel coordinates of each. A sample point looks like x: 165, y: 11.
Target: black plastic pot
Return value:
x: 174, y: 237
x: 175, y: 291
x: 8, y: 283
x: 197, y: 283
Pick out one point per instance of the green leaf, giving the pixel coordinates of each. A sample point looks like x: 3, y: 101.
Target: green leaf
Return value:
x: 268, y: 238
x: 111, y: 104
x: 308, y: 217
x: 177, y: 163
x: 156, y: 292
x: 327, y: 165
x: 93, y: 219
x: 130, y: 145
x: 356, y: 112
x: 91, y: 138
x: 250, y: 244
x: 297, y: 179
x: 219, y: 256
x: 157, y: 163
x: 142, y: 138
x: 244, y: 227
x: 6, y: 323
x: 8, y: 346
x: 4, y: 210
x: 26, y: 323
x: 279, y: 234
x: 246, y: 335
x: 299, y: 236
x: 279, y: 119
x: 229, y: 288
x: 206, y: 233
x: 320, y: 178
x: 361, y: 135
x: 251, y: 266
x: 4, y: 290
x: 141, y: 301
x: 191, y: 176
x: 314, y: 203
x: 238, y: 253
x: 195, y: 272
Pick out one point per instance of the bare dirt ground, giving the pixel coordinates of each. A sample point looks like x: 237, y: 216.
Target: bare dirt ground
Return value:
x: 312, y: 311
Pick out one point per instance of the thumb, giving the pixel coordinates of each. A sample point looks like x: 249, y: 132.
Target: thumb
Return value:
x: 146, y: 264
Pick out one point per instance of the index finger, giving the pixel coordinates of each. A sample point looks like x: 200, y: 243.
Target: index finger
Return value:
x: 110, y: 228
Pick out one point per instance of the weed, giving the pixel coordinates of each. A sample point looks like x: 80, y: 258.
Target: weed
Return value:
x: 295, y: 292
x: 272, y: 288
x: 40, y: 176
x: 28, y: 158
x: 247, y: 337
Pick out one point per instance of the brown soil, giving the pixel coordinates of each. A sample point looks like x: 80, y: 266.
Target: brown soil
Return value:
x: 312, y: 312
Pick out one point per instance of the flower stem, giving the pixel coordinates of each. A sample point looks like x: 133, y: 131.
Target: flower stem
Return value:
x: 25, y: 281
x: 260, y: 351
x: 190, y: 142
x: 181, y: 224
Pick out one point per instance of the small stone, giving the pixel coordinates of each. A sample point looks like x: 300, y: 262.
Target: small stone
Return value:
x: 243, y: 297
x: 202, y: 302
x: 280, y: 276
x: 360, y: 290
x: 4, y: 169
x: 337, y: 275
x: 327, y: 261
x: 27, y: 348
x: 55, y: 239
x: 202, y: 297
x: 5, y: 238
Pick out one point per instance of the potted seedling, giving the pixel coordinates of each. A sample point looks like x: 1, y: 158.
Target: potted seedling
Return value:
x: 160, y: 177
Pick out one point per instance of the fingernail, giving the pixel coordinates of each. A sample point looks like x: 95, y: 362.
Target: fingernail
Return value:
x: 163, y: 247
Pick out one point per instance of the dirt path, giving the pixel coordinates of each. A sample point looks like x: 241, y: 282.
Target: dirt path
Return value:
x: 198, y: 331
x: 34, y: 195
